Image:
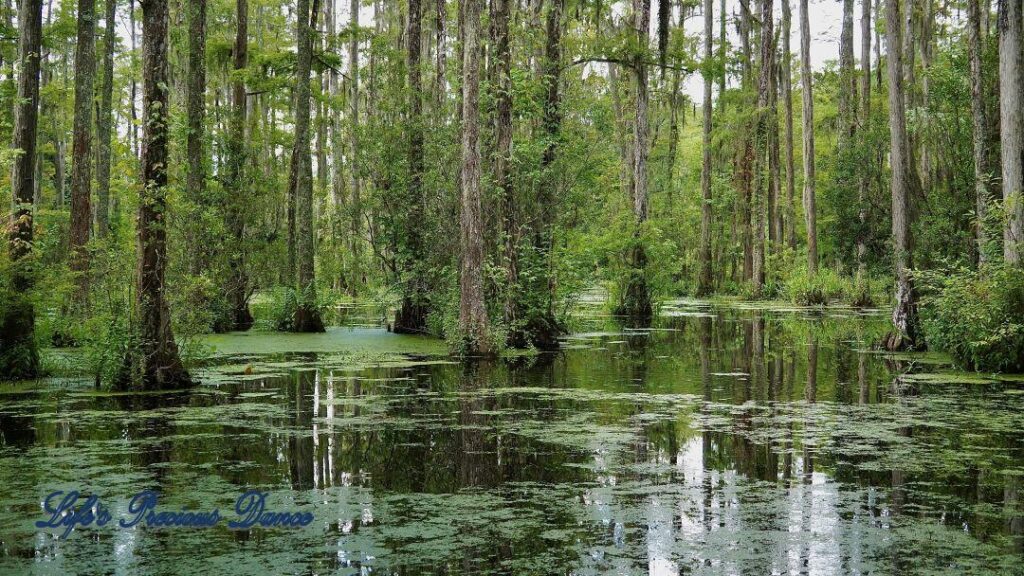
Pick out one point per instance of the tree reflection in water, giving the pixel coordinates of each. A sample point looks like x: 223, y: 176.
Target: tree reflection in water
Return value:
x: 719, y: 441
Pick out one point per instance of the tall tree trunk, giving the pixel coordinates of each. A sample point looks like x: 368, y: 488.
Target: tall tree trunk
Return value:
x: 637, y: 304
x: 787, y: 98
x: 980, y: 128
x: 237, y: 289
x: 904, y: 315
x: 307, y: 316
x: 774, y: 170
x: 1011, y: 122
x: 927, y: 56
x: 411, y: 317
x: 810, y: 212
x: 337, y: 145
x: 722, y: 55
x: 878, y: 46
x: 355, y: 207
x: 747, y: 154
x: 763, y: 120
x: 81, y: 159
x: 105, y: 122
x: 502, y: 173
x: 865, y: 119
x: 847, y: 79
x: 675, y: 101
x: 440, y: 19
x: 704, y: 278
x: 155, y: 364
x: 133, y: 91
x: 539, y: 322
x: 474, y: 328
x: 19, y: 357
x: 195, y: 179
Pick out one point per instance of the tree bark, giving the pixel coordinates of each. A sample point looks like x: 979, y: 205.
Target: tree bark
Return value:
x: 19, y: 357
x: 355, y: 207
x: 440, y: 19
x: 865, y: 119
x: 704, y: 279
x: 1011, y: 122
x: 847, y: 79
x: 411, y: 317
x: 338, y: 177
x: 758, y: 209
x: 502, y: 173
x: 675, y: 101
x: 774, y: 169
x: 81, y: 148
x: 195, y: 178
x: 904, y: 315
x: 155, y: 364
x: 787, y: 98
x: 810, y: 213
x: 474, y: 328
x: 980, y: 128
x: 722, y: 55
x: 105, y: 122
x: 637, y: 298
x: 307, y: 316
x: 237, y: 289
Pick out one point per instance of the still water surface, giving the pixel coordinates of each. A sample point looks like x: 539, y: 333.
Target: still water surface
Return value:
x: 723, y: 441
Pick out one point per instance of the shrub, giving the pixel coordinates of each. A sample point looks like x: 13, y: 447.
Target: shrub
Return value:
x: 819, y: 289
x: 976, y: 316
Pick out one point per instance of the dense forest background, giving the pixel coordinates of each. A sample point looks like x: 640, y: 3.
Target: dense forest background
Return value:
x: 476, y: 167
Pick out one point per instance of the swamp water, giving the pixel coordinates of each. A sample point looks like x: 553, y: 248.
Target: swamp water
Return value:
x: 727, y: 440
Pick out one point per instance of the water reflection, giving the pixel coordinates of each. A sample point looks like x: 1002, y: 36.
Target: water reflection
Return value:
x: 716, y: 442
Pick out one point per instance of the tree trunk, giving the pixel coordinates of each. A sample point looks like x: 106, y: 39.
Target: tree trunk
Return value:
x: 675, y: 101
x: 1011, y: 122
x: 355, y: 207
x: 105, y: 122
x: 722, y: 55
x: 502, y: 173
x: 155, y: 364
x: 474, y: 329
x: 19, y: 357
x: 810, y: 214
x: 81, y: 159
x: 878, y: 46
x: 927, y: 51
x: 637, y: 298
x: 847, y: 79
x: 440, y: 18
x: 904, y: 315
x: 704, y: 279
x: 337, y: 145
x: 237, y: 289
x: 307, y: 316
x: 763, y: 118
x: 774, y: 170
x: 746, y: 161
x: 865, y: 119
x: 195, y: 179
x: 787, y: 98
x: 133, y: 132
x: 980, y: 128
x: 411, y: 317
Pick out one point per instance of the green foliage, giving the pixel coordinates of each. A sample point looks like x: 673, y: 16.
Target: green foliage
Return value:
x: 822, y: 288
x: 283, y: 301
x: 976, y: 315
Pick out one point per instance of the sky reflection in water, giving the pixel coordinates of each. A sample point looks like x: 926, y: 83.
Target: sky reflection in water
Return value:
x: 726, y: 441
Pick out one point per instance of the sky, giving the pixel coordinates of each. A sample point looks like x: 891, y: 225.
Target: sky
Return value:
x: 826, y: 20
